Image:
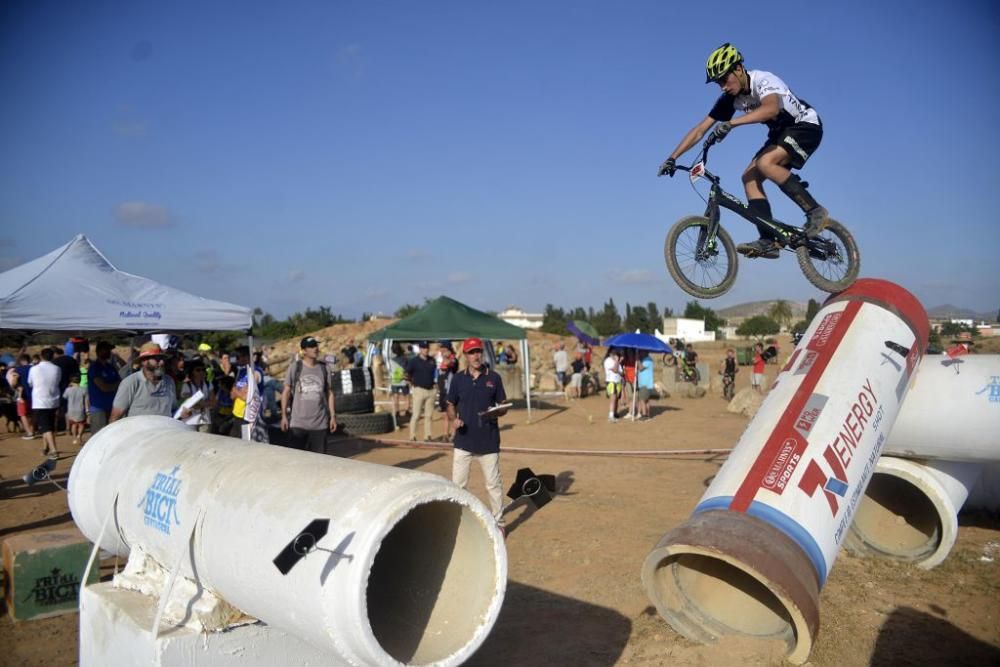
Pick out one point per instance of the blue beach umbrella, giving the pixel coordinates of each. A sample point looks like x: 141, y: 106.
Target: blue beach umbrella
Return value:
x: 638, y: 341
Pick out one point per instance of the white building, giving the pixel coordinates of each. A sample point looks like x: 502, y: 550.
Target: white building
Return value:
x: 519, y: 318
x: 687, y: 329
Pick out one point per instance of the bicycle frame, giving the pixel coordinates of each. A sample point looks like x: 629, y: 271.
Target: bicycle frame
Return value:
x: 719, y: 198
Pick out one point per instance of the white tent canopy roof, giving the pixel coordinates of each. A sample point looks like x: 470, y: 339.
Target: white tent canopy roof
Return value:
x: 76, y: 288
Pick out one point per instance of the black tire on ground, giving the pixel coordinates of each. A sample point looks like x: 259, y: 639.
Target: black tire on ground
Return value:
x: 354, y: 403
x: 351, y: 380
x: 831, y: 273
x: 714, y: 276
x: 369, y: 424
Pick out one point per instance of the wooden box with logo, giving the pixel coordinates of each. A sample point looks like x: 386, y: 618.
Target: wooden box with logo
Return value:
x: 44, y: 572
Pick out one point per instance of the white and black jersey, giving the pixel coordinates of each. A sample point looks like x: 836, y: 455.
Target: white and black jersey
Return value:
x: 792, y: 109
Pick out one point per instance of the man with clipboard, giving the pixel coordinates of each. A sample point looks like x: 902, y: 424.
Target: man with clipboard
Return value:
x: 476, y: 399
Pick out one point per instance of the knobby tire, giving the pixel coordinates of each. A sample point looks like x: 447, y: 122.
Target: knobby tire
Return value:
x: 723, y: 277
x: 813, y: 268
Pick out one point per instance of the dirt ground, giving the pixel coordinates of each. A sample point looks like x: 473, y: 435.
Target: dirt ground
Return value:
x: 574, y: 595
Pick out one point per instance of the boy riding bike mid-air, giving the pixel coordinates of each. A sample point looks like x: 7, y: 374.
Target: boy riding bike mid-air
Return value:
x: 794, y: 133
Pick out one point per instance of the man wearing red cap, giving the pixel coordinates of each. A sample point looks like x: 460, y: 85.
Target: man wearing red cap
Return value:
x: 477, y: 435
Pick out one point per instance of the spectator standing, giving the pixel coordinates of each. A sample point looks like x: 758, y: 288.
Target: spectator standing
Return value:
x: 398, y: 386
x: 757, y: 378
x: 447, y: 367
x: 728, y: 370
x: 477, y: 436
x: 420, y: 374
x: 576, y: 379
x: 646, y: 384
x: 68, y: 365
x: 613, y: 380
x: 76, y: 409
x: 222, y: 415
x: 307, y: 388
x: 44, y: 380
x: 147, y: 392
x: 194, y: 382
x: 511, y: 355
x: 561, y: 361
x: 18, y: 379
x: 244, y: 371
x: 102, y: 384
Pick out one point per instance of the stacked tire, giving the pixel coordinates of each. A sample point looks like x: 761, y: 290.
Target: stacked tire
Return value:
x: 354, y: 401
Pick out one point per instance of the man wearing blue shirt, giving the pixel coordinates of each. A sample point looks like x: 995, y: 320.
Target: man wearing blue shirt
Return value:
x: 102, y: 384
x: 477, y: 436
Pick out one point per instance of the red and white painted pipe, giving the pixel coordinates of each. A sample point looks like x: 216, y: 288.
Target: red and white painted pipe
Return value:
x: 944, y: 446
x: 760, y: 544
x: 406, y: 567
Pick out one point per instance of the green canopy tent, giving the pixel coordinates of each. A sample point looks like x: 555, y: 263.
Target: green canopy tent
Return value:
x: 447, y: 319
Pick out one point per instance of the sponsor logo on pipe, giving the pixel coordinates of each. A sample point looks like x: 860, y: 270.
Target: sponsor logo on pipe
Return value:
x: 994, y: 388
x: 861, y: 417
x: 57, y: 588
x: 160, y: 501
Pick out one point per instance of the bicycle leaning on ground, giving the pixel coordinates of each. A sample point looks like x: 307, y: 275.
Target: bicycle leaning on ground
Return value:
x: 702, y: 259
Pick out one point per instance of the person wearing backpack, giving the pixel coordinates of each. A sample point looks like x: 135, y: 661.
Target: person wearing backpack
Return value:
x: 307, y: 406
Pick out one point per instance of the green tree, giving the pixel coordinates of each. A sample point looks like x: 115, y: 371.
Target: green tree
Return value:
x: 800, y: 327
x: 694, y: 310
x: 554, y: 320
x: 954, y: 328
x: 637, y: 318
x: 811, y: 309
x: 758, y: 326
x: 780, y: 312
x: 406, y: 310
x: 607, y: 321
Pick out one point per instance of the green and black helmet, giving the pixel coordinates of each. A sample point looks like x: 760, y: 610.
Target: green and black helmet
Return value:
x: 721, y: 62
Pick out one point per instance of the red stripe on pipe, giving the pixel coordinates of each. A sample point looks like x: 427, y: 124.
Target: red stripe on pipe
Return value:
x: 892, y: 297
x: 825, y: 341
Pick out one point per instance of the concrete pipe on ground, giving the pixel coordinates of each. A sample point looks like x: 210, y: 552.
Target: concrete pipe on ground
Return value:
x: 757, y: 550
x: 948, y: 425
x: 412, y: 569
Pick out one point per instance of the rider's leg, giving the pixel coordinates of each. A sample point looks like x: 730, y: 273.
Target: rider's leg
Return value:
x: 773, y: 164
x: 753, y: 185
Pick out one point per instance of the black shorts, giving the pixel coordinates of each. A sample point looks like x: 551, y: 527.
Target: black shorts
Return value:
x: 800, y: 141
x: 45, y: 420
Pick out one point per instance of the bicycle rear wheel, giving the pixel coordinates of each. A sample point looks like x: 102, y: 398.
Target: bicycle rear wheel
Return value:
x: 705, y: 272
x: 830, y: 262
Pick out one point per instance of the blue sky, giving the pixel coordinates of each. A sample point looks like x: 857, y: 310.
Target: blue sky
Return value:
x: 363, y: 155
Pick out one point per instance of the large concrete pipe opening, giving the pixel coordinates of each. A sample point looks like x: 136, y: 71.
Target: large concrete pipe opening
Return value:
x: 897, y: 519
x: 910, y: 510
x: 719, y: 574
x: 722, y: 598
x: 432, y: 583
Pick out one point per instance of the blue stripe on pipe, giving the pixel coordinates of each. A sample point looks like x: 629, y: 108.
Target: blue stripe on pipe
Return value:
x: 782, y: 522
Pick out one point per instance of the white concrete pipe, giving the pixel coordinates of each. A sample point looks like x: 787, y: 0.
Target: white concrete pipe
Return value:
x: 952, y: 411
x: 412, y: 569
x: 758, y: 548
x: 949, y: 423
x: 910, y: 510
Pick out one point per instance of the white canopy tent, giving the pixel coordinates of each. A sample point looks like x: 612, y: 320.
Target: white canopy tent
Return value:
x: 75, y: 288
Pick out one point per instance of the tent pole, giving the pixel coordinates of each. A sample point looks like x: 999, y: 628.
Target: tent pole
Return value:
x: 527, y: 373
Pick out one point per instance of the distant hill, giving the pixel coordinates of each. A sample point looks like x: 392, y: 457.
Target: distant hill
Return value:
x: 751, y: 308
x: 949, y: 311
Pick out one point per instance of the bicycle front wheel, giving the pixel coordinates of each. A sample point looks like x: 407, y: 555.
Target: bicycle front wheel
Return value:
x: 830, y: 262
x: 701, y: 269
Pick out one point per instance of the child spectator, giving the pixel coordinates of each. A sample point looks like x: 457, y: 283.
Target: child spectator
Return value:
x: 77, y: 405
x: 757, y: 379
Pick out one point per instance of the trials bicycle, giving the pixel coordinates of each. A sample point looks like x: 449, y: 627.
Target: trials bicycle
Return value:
x: 702, y: 258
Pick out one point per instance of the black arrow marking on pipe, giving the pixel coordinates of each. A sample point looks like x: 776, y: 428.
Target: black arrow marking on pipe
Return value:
x: 301, y: 545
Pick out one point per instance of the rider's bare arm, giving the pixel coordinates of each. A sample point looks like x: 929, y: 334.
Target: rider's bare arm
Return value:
x: 692, y: 137
x: 768, y: 110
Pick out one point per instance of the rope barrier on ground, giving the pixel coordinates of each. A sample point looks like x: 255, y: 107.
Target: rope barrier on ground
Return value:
x: 638, y: 453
